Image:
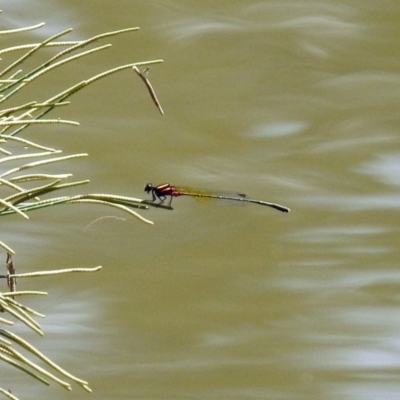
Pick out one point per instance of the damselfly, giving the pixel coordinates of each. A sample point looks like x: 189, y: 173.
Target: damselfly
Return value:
x: 161, y: 192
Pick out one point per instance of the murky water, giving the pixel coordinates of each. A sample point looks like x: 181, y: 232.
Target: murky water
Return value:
x: 294, y: 102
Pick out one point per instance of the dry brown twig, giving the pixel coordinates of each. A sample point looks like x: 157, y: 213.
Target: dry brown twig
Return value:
x: 146, y: 81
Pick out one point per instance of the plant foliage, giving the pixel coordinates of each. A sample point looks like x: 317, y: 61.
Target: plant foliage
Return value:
x: 26, y: 187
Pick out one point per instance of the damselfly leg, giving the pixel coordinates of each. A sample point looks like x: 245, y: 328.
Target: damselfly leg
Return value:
x: 160, y: 192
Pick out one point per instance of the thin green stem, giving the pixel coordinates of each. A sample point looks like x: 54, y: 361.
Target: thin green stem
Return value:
x: 43, y: 162
x: 29, y: 53
x: 28, y: 28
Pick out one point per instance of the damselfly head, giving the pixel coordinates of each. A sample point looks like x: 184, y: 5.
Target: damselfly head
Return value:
x: 148, y: 188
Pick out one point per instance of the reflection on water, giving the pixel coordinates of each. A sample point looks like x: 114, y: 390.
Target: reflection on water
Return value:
x: 386, y: 169
x: 280, y: 128
x: 290, y: 101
